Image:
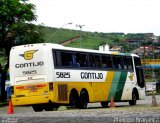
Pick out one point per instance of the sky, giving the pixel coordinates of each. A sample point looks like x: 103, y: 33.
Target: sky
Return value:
x: 128, y: 16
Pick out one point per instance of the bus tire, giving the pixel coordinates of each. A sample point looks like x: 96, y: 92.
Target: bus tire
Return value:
x: 73, y: 99
x: 83, y: 100
x: 37, y: 107
x: 104, y: 104
x: 134, y: 99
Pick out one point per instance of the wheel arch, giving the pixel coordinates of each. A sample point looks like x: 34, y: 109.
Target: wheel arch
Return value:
x: 74, y: 91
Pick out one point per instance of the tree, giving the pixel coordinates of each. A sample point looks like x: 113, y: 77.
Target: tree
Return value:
x: 15, y: 29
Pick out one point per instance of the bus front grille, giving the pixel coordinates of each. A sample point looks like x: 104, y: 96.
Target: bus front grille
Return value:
x: 62, y: 92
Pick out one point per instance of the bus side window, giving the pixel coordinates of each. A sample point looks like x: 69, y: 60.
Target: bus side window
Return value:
x: 139, y: 72
x: 121, y: 66
x: 91, y: 61
x: 109, y: 62
x: 67, y: 59
x: 97, y: 61
x: 104, y: 65
x: 57, y: 58
x: 128, y: 65
x: 83, y: 60
x: 125, y: 62
x: 117, y: 62
x: 77, y: 60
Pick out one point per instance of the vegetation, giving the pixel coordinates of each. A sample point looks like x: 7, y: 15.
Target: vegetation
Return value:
x: 92, y: 40
x: 89, y: 40
x: 3, y: 60
x: 55, y: 35
x: 14, y: 29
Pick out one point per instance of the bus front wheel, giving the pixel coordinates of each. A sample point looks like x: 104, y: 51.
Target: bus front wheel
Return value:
x: 134, y: 99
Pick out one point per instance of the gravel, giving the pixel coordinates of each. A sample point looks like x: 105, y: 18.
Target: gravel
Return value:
x: 143, y: 112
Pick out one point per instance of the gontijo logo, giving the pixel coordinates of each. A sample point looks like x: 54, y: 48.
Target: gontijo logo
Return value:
x: 28, y: 55
x: 131, y: 77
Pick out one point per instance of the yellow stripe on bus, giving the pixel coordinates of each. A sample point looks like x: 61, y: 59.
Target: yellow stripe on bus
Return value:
x: 109, y: 80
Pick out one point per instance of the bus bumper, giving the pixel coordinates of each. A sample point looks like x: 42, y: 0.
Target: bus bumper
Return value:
x: 17, y: 101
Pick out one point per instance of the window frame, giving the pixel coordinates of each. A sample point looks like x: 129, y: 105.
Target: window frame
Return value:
x: 81, y: 56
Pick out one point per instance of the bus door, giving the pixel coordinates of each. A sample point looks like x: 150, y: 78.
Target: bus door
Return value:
x: 139, y: 72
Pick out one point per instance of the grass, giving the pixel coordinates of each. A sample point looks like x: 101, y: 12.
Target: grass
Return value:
x: 54, y: 35
x: 88, y: 40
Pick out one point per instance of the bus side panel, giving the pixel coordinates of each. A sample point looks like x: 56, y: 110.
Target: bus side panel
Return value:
x: 117, y: 86
x: 120, y: 86
x: 114, y: 85
x: 101, y: 90
x: 128, y: 87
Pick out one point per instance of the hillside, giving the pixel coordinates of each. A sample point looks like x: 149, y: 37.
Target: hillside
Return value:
x: 89, y: 40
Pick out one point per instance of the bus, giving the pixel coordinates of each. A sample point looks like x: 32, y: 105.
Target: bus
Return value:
x: 46, y: 76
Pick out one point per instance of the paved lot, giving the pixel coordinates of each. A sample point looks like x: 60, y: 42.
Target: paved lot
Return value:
x: 143, y: 112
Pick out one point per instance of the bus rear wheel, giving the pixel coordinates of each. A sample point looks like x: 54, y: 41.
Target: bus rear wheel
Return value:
x: 74, y: 99
x: 134, y: 99
x: 83, y: 100
x: 37, y: 107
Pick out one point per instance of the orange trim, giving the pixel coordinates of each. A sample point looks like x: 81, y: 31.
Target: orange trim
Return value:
x: 31, y: 86
x: 40, y: 85
x: 20, y: 87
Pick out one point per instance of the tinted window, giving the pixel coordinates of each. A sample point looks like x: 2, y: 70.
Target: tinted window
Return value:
x: 107, y: 62
x: 81, y: 59
x: 128, y: 64
x: 94, y: 61
x: 67, y: 59
x: 57, y: 58
x: 117, y: 62
x: 139, y: 72
x: 85, y: 60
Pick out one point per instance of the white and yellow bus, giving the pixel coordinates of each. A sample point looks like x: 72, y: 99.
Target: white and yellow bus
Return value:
x: 47, y: 76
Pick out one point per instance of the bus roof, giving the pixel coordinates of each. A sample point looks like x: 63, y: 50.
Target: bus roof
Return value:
x: 61, y: 47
